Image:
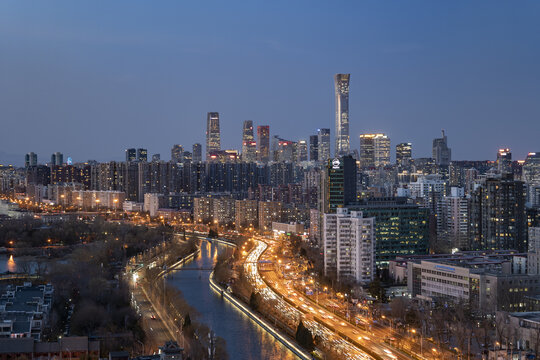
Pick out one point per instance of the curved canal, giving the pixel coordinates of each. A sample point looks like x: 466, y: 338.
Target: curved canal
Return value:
x: 245, y: 339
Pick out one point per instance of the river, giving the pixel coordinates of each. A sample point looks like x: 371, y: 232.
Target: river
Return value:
x: 245, y: 339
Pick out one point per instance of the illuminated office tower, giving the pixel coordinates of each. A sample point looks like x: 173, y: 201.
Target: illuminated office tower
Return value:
x: 504, y: 161
x: 197, y: 152
x: 374, y: 150
x: 367, y: 150
x: 314, y: 148
x: 263, y: 140
x: 382, y: 150
x: 131, y: 155
x: 301, y: 151
x: 324, y: 145
x: 142, y: 155
x: 403, y: 154
x: 177, y: 153
x: 249, y: 146
x: 213, y: 137
x: 341, y: 83
x: 441, y: 152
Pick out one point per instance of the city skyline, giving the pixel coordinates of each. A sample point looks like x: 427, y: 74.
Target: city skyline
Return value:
x: 406, y: 82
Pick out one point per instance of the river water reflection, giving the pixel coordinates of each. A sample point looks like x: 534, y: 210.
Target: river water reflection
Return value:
x: 245, y: 339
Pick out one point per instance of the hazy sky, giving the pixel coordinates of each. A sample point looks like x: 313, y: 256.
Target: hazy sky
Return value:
x: 92, y: 78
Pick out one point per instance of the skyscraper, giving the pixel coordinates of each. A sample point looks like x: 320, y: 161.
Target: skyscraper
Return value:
x: 213, y: 137
x: 247, y: 132
x: 30, y: 159
x: 341, y: 84
x: 314, y: 148
x: 441, y: 152
x: 142, y: 155
x: 498, y: 220
x: 197, y: 153
x: 382, y: 150
x: 324, y: 145
x: 301, y: 151
x: 403, y: 154
x: 340, y: 183
x: 263, y: 140
x: 374, y: 150
x: 131, y: 155
x: 57, y: 159
x: 177, y: 153
x: 367, y: 150
x: 504, y: 161
x: 249, y: 146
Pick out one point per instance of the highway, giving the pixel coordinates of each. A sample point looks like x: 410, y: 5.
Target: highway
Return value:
x: 345, y: 337
x: 334, y: 341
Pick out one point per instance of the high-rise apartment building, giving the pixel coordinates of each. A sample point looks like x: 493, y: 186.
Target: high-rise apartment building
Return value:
x: 30, y: 160
x: 428, y: 190
x: 341, y: 85
x: 269, y: 211
x: 131, y: 155
x: 263, y: 141
x: 314, y: 148
x: 197, y: 153
x: 498, y: 218
x: 324, y: 145
x: 249, y: 146
x: 442, y: 155
x: 213, y: 136
x: 403, y: 155
x: 453, y: 220
x: 531, y: 176
x: 177, y: 153
x: 374, y: 150
x: 349, y: 246
x: 246, y: 214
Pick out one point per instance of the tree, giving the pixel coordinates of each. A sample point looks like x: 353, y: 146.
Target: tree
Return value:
x: 255, y: 300
x: 304, y: 337
x: 187, y: 321
x: 377, y: 291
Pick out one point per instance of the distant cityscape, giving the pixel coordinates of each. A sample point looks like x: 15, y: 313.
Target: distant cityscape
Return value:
x: 431, y: 233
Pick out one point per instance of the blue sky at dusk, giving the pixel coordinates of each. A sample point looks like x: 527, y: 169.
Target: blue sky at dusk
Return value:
x: 92, y: 78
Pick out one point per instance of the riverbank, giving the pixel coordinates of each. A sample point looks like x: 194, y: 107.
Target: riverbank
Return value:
x: 275, y: 332
x: 174, y: 312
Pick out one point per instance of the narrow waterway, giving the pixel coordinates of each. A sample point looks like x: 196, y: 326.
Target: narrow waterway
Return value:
x: 245, y: 339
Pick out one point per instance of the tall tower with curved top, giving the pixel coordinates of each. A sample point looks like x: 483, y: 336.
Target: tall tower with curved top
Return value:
x: 341, y: 83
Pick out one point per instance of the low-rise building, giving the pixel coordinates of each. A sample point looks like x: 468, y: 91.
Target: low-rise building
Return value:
x: 73, y: 348
x: 286, y: 228
x: 485, y: 281
x: 24, y: 310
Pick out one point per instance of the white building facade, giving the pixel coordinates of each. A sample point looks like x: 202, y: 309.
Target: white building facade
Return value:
x: 349, y: 246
